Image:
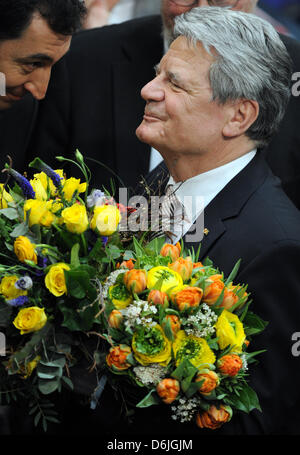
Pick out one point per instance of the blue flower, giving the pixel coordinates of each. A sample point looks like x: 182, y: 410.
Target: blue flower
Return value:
x: 96, y: 198
x: 104, y: 240
x: 25, y: 185
x: 24, y: 283
x: 19, y: 301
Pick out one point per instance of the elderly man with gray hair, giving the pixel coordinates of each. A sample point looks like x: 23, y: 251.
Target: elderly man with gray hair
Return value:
x: 218, y: 96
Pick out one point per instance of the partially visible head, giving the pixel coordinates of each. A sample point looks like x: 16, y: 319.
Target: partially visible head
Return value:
x: 34, y: 35
x: 226, y: 77
x: 172, y: 8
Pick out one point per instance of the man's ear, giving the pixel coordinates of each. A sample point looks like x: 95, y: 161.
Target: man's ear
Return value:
x: 242, y: 114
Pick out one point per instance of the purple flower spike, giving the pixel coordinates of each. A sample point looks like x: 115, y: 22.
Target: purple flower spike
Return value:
x: 25, y: 185
x: 38, y: 164
x: 19, y: 301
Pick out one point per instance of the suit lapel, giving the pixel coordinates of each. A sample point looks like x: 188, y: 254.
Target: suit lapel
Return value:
x: 129, y: 77
x: 228, y: 203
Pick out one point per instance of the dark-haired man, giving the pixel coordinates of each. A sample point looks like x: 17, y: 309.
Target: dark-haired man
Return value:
x: 34, y: 35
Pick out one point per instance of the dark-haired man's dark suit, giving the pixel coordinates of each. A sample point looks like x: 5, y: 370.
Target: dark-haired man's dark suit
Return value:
x: 94, y: 104
x: 16, y: 125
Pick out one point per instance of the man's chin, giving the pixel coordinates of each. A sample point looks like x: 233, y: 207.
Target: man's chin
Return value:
x: 143, y: 134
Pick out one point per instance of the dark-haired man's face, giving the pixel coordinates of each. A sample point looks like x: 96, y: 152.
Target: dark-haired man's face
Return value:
x: 26, y: 62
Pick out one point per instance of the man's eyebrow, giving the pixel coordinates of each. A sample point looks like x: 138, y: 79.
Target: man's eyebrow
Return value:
x: 174, y: 77
x: 157, y: 68
x: 40, y: 57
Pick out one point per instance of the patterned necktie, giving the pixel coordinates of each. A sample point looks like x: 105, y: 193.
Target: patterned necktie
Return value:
x: 172, y: 213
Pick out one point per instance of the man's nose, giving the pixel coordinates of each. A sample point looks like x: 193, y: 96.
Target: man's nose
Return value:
x: 153, y: 91
x: 38, y: 83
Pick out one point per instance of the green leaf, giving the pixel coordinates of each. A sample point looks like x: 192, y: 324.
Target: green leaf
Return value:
x: 246, y: 401
x: 68, y: 382
x: 10, y: 213
x: 184, y: 369
x: 150, y: 399
x: 193, y: 388
x: 233, y: 273
x: 48, y: 386
x: 75, y: 262
x: 253, y: 324
x: 20, y: 229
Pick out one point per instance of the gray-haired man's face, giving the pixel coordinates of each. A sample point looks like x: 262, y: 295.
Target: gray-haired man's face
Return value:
x: 170, y: 10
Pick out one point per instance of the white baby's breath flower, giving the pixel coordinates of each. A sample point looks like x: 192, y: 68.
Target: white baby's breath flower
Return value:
x: 151, y: 374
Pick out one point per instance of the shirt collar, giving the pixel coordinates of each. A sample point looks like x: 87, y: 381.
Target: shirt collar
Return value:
x: 197, y: 192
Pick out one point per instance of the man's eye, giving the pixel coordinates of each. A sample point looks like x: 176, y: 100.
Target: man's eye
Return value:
x: 29, y: 67
x: 174, y: 84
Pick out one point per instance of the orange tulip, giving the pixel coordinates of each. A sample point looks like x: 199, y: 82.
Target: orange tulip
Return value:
x: 171, y: 250
x: 128, y: 264
x: 230, y: 364
x: 183, y: 266
x: 197, y: 265
x: 174, y: 322
x: 187, y: 297
x: 214, y: 418
x: 211, y: 381
x: 117, y: 357
x: 115, y: 319
x: 229, y: 299
x: 168, y: 390
x: 214, y: 289
x: 158, y: 298
x: 135, y: 280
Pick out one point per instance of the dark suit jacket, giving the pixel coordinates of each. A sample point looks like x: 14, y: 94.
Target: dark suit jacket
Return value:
x: 94, y: 104
x: 16, y: 125
x: 252, y: 219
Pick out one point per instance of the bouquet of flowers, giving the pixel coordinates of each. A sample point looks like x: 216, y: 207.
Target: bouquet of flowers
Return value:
x: 179, y: 331
x: 57, y: 242
x: 172, y: 328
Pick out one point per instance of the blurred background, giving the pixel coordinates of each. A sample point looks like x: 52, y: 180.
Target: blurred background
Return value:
x: 283, y: 14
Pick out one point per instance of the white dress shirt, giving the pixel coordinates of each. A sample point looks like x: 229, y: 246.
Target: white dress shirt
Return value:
x: 197, y: 192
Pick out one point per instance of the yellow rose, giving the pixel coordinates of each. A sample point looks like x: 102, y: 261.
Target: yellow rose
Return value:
x: 47, y: 183
x: 106, y: 219
x: 24, y: 249
x: 39, y: 213
x: 40, y: 192
x: 71, y: 185
x: 5, y: 197
x: 55, y: 279
x: 30, y: 319
x: 8, y: 289
x: 75, y: 218
x: 230, y: 331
